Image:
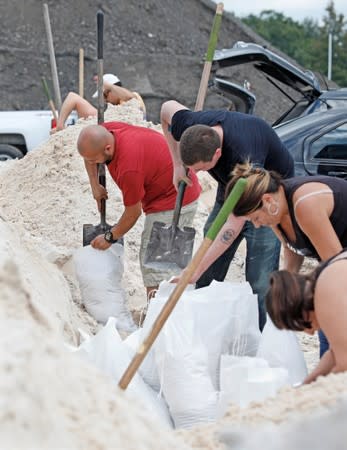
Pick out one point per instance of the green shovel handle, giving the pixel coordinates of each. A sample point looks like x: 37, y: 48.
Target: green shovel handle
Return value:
x: 227, y: 208
x: 214, y: 32
x: 45, y: 88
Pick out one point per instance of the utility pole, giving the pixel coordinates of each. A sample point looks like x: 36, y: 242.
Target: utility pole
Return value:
x: 330, y: 48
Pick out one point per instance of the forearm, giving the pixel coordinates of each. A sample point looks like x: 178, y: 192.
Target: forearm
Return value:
x: 167, y: 112
x: 292, y: 262
x: 92, y: 171
x: 126, y: 221
x: 173, y: 145
x: 325, y: 366
x: 67, y: 107
x: 227, y: 235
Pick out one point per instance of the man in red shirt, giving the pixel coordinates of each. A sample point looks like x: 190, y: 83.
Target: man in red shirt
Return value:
x: 139, y: 161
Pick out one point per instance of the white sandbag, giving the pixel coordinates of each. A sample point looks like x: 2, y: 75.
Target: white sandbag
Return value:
x: 229, y: 365
x: 281, y: 348
x: 247, y: 379
x: 182, y: 362
x: 243, y: 334
x: 148, y: 368
x: 225, y: 315
x: 263, y: 383
x: 107, y: 351
x: 234, y: 373
x: 99, y: 273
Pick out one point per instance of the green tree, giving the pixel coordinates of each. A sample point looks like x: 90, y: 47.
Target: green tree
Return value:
x: 335, y: 24
x: 307, y: 41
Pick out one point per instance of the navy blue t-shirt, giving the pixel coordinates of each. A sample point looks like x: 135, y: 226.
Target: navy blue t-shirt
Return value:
x: 245, y: 137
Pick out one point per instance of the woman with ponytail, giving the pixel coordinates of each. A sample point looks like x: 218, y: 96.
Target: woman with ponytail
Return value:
x: 308, y: 214
x: 311, y: 302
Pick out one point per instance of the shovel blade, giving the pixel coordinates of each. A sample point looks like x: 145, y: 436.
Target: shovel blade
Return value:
x: 91, y: 231
x: 169, y: 246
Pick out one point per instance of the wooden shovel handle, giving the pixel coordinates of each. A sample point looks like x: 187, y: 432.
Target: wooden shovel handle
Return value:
x: 49, y: 98
x: 209, y: 58
x: 178, y: 206
x: 81, y: 73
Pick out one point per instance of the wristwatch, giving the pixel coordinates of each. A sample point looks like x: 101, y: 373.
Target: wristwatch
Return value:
x: 108, y: 236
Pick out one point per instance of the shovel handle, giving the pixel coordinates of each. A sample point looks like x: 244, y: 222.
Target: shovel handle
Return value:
x: 100, y: 65
x: 100, y: 33
x: 227, y: 208
x: 183, y: 282
x: 49, y: 98
x: 178, y: 206
x: 209, y: 58
x: 102, y: 181
x: 100, y: 68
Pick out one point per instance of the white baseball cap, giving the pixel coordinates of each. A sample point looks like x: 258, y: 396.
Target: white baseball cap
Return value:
x: 109, y: 78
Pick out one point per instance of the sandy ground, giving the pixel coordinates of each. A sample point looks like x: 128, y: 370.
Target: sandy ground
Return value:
x: 48, y: 398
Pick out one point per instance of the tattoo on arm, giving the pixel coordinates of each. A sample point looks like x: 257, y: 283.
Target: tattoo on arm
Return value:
x: 228, y: 236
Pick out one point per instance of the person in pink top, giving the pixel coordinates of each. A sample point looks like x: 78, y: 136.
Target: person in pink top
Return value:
x: 139, y: 161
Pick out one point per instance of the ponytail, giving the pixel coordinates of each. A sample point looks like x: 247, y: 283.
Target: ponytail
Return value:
x: 259, y: 182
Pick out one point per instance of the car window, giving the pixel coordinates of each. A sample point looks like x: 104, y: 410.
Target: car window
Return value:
x: 327, y: 154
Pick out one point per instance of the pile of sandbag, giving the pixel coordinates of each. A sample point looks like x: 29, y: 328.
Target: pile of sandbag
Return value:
x: 209, y: 353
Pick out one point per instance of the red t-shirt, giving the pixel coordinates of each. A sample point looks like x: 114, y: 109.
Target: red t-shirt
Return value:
x: 142, y: 168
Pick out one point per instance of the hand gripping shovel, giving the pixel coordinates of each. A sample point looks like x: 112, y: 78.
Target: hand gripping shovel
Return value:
x: 164, y: 314
x: 91, y: 231
x: 169, y: 245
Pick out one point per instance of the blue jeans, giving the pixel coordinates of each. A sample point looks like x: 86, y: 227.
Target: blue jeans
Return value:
x: 323, y: 343
x: 262, y: 258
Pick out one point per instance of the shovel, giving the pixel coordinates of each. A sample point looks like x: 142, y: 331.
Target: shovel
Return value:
x: 91, y: 231
x: 183, y: 282
x: 169, y: 244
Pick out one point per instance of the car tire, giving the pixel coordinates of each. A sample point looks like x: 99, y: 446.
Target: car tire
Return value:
x: 9, y: 152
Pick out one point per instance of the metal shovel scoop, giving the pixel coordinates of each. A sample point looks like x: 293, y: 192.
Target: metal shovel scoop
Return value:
x: 169, y: 244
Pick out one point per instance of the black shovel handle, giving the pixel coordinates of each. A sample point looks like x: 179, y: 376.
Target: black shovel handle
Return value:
x: 102, y: 181
x: 178, y: 206
x: 100, y: 64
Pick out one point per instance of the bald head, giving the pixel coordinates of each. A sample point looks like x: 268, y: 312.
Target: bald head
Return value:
x: 95, y: 143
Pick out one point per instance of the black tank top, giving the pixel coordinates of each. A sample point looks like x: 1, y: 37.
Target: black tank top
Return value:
x: 338, y: 218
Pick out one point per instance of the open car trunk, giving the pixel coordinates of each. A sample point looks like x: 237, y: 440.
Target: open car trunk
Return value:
x: 279, y: 72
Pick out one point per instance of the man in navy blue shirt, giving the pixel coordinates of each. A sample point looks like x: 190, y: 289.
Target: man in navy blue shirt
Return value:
x: 216, y: 141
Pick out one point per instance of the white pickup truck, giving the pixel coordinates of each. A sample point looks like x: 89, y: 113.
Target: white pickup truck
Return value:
x: 22, y: 131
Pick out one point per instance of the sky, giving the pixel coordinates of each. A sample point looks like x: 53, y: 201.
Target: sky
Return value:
x: 296, y: 9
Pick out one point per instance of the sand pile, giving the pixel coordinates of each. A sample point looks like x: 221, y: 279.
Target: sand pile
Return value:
x: 48, y: 397
x: 290, y: 405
